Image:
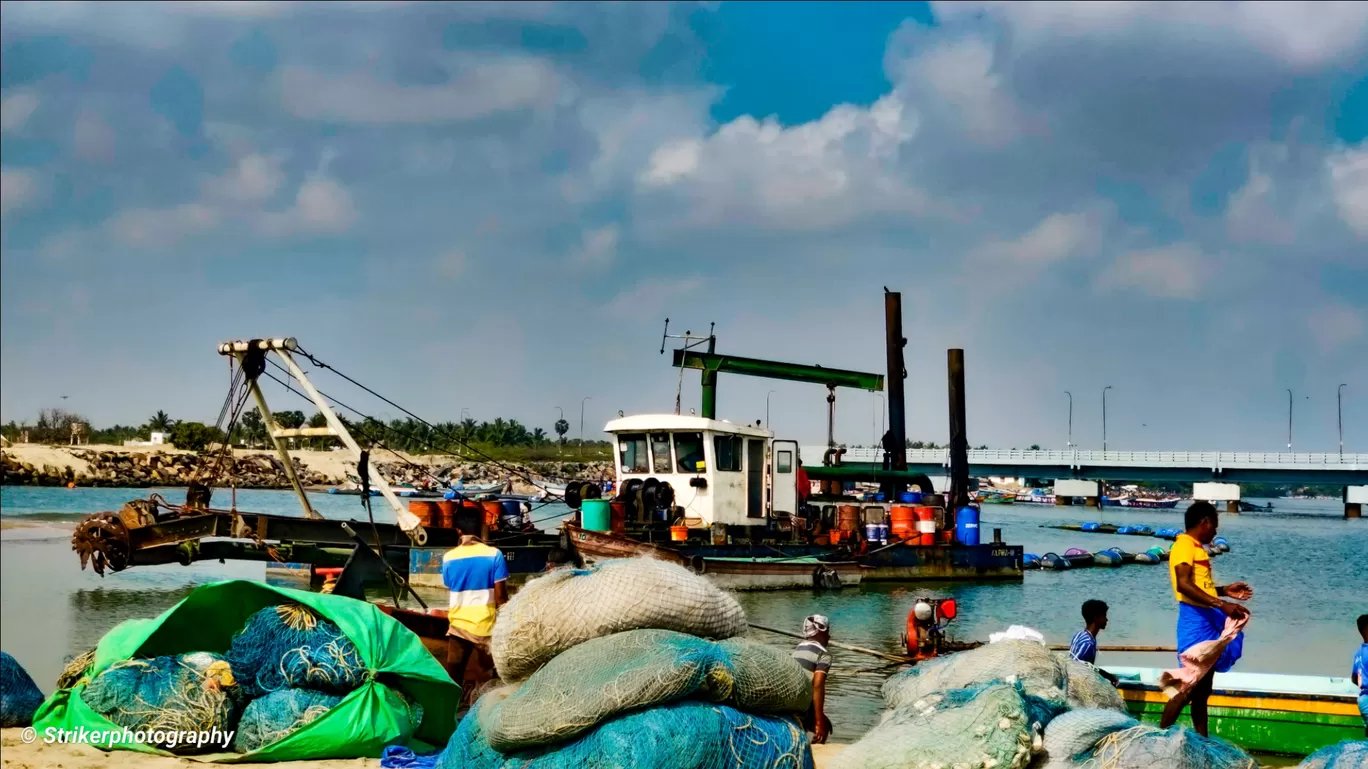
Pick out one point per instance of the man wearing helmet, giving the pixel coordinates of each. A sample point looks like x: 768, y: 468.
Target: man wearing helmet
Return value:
x: 813, y: 657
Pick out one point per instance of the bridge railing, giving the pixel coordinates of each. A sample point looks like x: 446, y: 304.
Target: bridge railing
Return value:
x: 1083, y: 457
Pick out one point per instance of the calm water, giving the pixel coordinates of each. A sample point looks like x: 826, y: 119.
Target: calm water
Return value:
x: 1308, y: 566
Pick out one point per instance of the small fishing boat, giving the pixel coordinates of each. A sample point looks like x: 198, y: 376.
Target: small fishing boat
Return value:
x: 1150, y: 503
x: 1260, y: 712
x: 1036, y: 497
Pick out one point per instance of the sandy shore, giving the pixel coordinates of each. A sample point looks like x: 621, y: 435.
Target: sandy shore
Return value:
x: 16, y: 754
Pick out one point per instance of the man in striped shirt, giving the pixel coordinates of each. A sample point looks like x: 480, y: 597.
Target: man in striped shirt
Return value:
x: 1084, y: 645
x: 477, y: 576
x: 813, y: 657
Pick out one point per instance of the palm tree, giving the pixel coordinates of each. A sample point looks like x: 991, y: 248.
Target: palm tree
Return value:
x: 160, y: 422
x: 539, y: 437
x: 562, y: 427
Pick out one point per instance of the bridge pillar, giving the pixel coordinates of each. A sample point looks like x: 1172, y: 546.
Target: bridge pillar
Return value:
x: 1229, y: 493
x: 1068, y: 488
x: 1355, y: 497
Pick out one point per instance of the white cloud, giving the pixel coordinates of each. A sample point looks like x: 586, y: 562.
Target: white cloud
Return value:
x: 321, y: 206
x: 1335, y: 324
x: 1303, y: 35
x: 821, y: 174
x: 452, y: 264
x: 960, y: 76
x: 653, y: 293
x: 1057, y: 237
x: 17, y: 189
x: 479, y: 89
x: 15, y: 110
x: 1251, y: 215
x: 1349, y: 187
x: 599, y: 247
x: 254, y: 179
x: 157, y: 227
x: 94, y: 139
x: 1171, y: 272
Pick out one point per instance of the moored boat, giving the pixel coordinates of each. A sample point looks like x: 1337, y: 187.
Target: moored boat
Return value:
x: 736, y: 568
x: 1260, y: 712
x: 1149, y: 502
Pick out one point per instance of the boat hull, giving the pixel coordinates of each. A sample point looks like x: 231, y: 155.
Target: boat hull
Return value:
x: 1294, y: 723
x: 730, y: 572
x: 902, y: 563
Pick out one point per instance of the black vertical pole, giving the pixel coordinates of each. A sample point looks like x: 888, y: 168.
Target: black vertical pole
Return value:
x: 959, y: 437
x: 897, y: 372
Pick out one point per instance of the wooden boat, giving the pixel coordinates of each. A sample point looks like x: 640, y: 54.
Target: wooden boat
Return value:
x: 1260, y: 712
x: 1149, y: 503
x: 730, y: 572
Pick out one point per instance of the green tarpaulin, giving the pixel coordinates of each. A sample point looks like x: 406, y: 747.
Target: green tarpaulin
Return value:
x: 367, y: 720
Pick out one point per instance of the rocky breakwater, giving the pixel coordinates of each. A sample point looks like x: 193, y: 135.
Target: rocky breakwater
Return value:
x: 137, y: 469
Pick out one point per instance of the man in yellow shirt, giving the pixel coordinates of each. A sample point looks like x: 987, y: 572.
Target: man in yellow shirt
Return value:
x: 1202, y: 609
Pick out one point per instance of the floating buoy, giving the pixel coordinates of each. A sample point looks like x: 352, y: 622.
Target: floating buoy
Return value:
x: 71, y: 484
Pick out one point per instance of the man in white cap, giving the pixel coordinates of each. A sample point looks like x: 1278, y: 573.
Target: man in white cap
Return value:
x: 813, y: 657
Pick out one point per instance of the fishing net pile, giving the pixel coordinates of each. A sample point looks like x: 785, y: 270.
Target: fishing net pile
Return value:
x: 992, y: 725
x: 187, y: 693
x: 570, y: 606
x: 1012, y: 704
x: 290, y: 646
x: 1082, y: 739
x: 276, y: 715
x: 19, y: 695
x: 1345, y: 755
x: 634, y: 662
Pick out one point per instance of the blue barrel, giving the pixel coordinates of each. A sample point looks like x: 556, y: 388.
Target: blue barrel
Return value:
x: 967, y: 526
x: 596, y: 515
x: 1091, y: 526
x: 872, y: 532
x: 883, y: 533
x: 512, y: 516
x: 910, y: 497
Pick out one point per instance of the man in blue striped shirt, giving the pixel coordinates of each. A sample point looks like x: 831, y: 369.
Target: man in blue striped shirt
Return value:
x: 1084, y: 645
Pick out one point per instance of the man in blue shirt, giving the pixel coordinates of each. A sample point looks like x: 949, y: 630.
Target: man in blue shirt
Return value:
x: 1083, y: 647
x: 1360, y: 671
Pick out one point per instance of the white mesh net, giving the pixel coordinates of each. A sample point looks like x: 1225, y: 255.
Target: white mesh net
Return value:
x: 1088, y: 689
x: 1040, y: 672
x: 567, y: 607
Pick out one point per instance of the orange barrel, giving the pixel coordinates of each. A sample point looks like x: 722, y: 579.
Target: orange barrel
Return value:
x: 926, y: 524
x: 493, y: 508
x: 426, y: 511
x: 617, y: 516
x: 947, y: 536
x: 679, y: 533
x: 834, y: 536
x: 848, y: 518
x: 446, y: 514
x: 904, y: 522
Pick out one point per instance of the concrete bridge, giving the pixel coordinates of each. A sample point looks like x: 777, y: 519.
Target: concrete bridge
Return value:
x: 1215, y: 473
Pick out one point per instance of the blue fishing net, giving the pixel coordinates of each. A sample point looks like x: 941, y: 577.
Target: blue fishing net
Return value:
x: 1345, y: 755
x: 276, y: 715
x: 598, y: 679
x: 1144, y: 746
x: 19, y: 695
x: 680, y: 735
x: 991, y: 725
x: 289, y: 645
x: 168, y: 695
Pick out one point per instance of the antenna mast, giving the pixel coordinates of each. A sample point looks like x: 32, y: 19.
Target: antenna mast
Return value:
x: 690, y: 341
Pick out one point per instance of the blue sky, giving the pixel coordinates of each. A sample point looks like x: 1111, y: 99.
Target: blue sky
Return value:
x: 494, y: 207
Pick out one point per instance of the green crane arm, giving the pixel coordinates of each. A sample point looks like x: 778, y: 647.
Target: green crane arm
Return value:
x: 711, y: 364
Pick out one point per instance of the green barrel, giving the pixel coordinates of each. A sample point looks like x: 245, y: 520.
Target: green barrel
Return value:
x: 596, y: 514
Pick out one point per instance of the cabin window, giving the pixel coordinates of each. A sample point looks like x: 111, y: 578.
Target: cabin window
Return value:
x: 660, y: 452
x: 728, y: 450
x: 785, y: 462
x: 632, y: 453
x: 689, y: 452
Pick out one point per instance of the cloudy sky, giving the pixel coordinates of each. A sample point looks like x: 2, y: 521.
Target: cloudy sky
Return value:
x: 495, y: 207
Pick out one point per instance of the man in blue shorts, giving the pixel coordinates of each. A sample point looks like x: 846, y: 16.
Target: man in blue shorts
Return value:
x: 1202, y: 609
x: 1360, y: 674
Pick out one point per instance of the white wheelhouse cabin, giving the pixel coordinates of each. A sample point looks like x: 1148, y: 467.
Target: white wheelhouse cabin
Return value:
x: 721, y: 472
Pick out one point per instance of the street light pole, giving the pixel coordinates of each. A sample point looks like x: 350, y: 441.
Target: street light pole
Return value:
x: 1104, y: 417
x: 581, y: 443
x: 767, y: 395
x: 1070, y: 443
x: 1289, y: 419
x: 1339, y: 412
